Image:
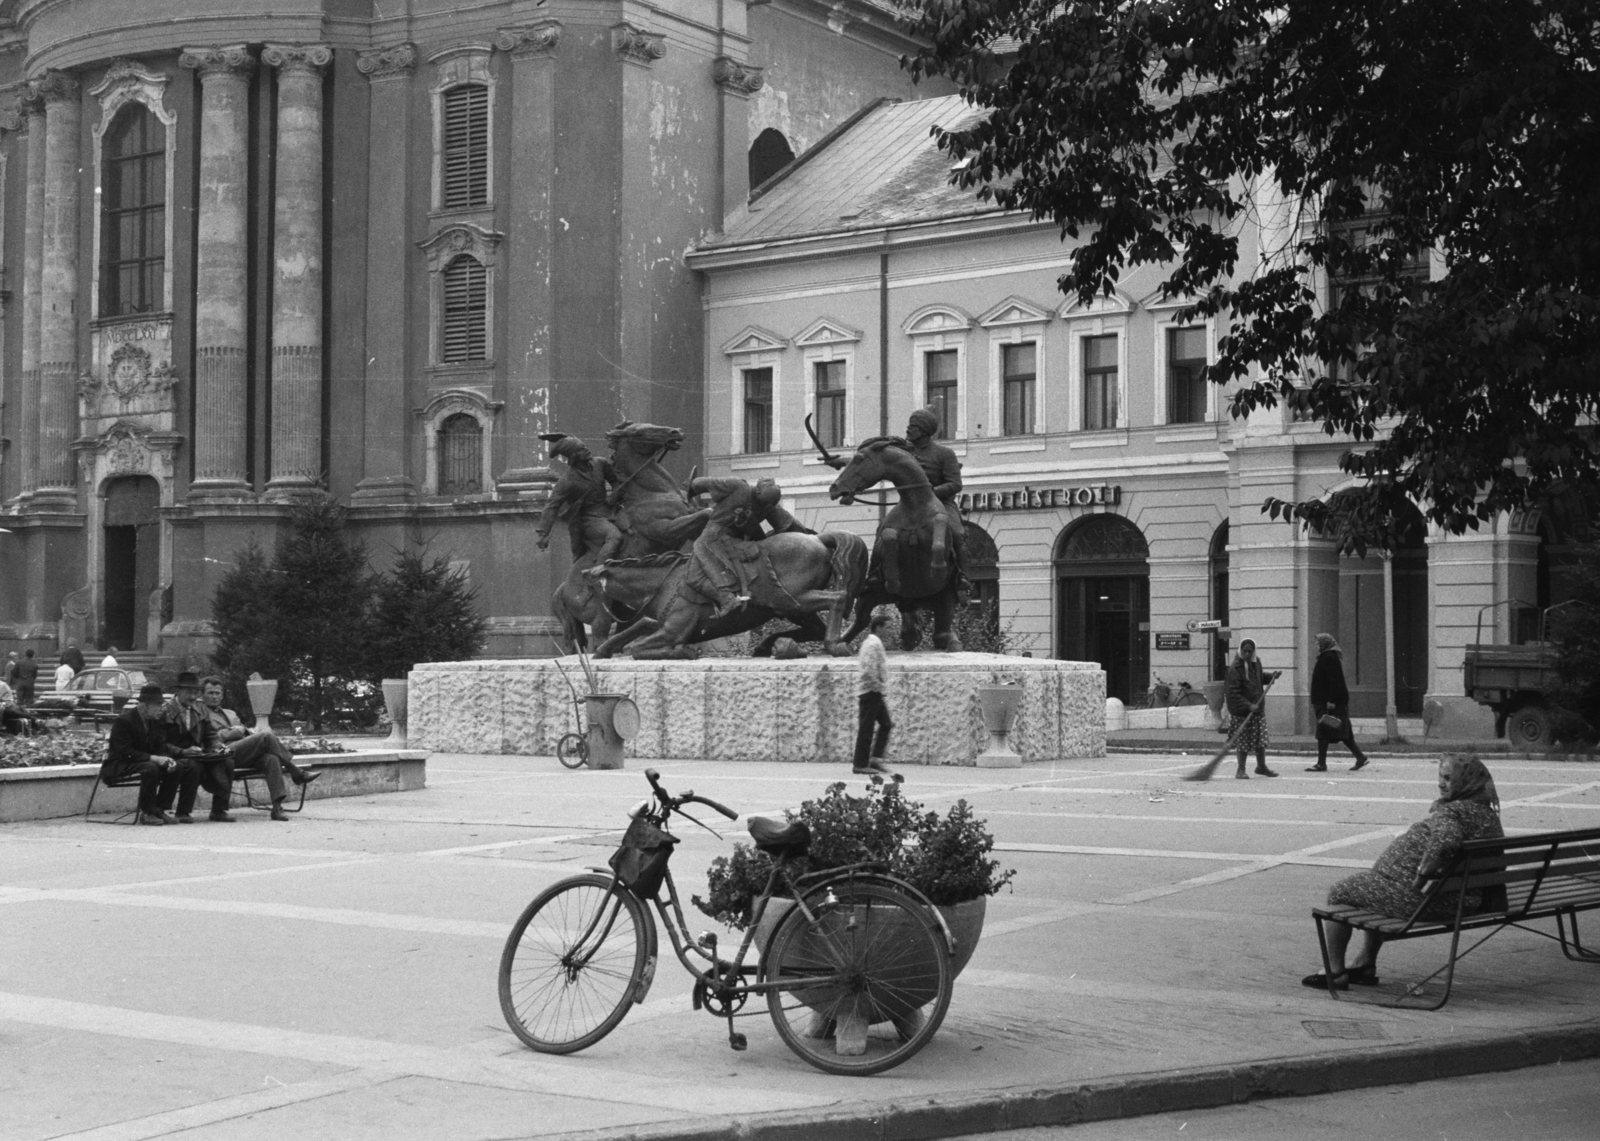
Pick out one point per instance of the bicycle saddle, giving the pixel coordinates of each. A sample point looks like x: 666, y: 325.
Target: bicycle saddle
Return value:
x: 779, y: 838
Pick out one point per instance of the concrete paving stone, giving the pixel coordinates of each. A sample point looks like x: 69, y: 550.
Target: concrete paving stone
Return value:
x: 1104, y: 983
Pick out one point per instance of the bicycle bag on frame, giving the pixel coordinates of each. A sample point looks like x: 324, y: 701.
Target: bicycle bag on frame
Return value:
x: 641, y: 860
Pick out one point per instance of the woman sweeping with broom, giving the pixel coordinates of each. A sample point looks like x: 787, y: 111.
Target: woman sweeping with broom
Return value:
x: 1246, y: 699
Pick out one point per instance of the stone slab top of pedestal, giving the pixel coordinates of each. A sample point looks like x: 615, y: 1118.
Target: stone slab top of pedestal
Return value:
x: 923, y: 661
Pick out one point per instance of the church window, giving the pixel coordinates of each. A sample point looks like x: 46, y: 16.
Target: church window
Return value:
x: 464, y: 333
x: 460, y: 455
x: 133, y: 219
x: 466, y: 146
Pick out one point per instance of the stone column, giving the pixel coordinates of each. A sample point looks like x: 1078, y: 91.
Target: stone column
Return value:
x: 58, y: 293
x: 638, y: 204
x: 32, y: 108
x: 297, y: 270
x: 221, y: 272
x: 736, y: 81
x: 386, y: 428
x: 530, y: 218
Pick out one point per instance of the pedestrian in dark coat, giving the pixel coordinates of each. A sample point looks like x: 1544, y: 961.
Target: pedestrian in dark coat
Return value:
x: 27, y: 678
x: 139, y: 745
x: 1247, y: 699
x: 1331, y: 697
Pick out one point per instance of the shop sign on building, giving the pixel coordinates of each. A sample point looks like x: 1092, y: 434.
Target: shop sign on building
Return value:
x: 1028, y: 498
x: 1172, y: 641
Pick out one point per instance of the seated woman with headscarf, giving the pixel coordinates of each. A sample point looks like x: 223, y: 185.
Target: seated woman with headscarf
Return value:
x: 1468, y: 808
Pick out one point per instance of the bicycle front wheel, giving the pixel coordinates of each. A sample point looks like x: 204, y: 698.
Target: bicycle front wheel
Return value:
x: 862, y: 985
x: 572, y: 964
x: 572, y: 750
x: 1192, y: 697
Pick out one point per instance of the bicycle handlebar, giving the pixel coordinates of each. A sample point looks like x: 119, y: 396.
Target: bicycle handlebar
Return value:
x: 671, y: 802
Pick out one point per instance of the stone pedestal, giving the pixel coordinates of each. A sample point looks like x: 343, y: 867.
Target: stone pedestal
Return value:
x: 396, y: 701
x: 757, y: 709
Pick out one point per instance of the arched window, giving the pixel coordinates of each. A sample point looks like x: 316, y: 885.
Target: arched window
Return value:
x: 466, y: 146
x: 460, y: 455
x: 133, y: 219
x: 465, y: 333
x: 983, y: 569
x: 1218, y: 567
x: 769, y: 154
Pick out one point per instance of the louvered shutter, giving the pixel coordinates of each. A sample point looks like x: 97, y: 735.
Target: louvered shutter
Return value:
x: 466, y: 146
x: 465, y: 312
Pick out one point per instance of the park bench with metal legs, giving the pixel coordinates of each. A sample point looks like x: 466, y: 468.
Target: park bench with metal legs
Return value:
x: 244, y: 774
x: 1548, y: 875
x: 127, y: 780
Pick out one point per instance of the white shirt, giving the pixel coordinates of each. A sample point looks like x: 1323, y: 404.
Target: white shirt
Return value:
x: 108, y: 662
x: 874, y: 665
x: 64, y: 676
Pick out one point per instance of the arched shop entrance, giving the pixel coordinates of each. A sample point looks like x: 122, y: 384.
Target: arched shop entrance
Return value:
x: 132, y: 557
x: 1103, y: 601
x: 1362, y: 618
x: 1217, y: 565
x: 983, y: 569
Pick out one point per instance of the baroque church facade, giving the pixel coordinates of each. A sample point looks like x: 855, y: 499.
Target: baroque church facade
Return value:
x: 365, y: 248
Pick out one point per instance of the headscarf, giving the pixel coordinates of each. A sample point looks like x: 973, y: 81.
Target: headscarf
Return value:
x: 926, y: 419
x: 1327, y: 645
x: 1469, y: 781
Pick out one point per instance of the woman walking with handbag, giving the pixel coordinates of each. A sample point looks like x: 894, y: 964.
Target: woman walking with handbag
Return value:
x: 1330, y: 703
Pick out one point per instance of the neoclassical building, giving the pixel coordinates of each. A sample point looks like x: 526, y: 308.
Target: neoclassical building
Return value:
x: 250, y: 255
x: 1113, y: 508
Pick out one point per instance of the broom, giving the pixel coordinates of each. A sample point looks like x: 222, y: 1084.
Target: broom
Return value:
x: 1205, y: 771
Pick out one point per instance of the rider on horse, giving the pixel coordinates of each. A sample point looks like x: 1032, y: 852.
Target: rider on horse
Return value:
x: 579, y: 500
x: 726, y: 554
x: 944, y: 473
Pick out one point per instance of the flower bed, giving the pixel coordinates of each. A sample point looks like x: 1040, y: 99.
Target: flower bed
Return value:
x: 52, y: 749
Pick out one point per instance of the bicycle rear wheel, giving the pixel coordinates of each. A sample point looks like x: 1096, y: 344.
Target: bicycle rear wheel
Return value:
x: 1192, y: 697
x: 867, y: 979
x: 572, y: 964
x: 573, y: 750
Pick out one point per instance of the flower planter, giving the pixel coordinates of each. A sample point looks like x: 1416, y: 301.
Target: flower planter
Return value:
x: 999, y: 704
x: 394, y: 700
x: 262, y: 695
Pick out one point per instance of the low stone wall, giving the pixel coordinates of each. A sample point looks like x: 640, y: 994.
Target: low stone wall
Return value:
x: 761, y: 709
x: 63, y: 790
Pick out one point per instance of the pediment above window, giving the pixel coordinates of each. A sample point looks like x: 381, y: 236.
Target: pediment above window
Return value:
x: 450, y: 401
x: 755, y: 339
x: 461, y: 238
x: 826, y: 332
x: 1015, y: 310
x: 125, y: 82
x: 936, y: 319
x: 1154, y: 302
x: 1101, y: 305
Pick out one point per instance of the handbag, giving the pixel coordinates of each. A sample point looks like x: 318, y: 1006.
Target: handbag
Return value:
x: 641, y: 860
x: 1331, y: 721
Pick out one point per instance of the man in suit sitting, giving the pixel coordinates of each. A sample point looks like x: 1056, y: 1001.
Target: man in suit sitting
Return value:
x: 249, y: 749
x: 139, y: 745
x: 202, y: 761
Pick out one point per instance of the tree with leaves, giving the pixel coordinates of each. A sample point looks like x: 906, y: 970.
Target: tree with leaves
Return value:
x: 1393, y: 210
x: 305, y: 619
x: 423, y: 612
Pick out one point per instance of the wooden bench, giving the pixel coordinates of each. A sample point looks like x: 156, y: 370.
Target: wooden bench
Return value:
x: 1549, y: 875
x: 242, y: 775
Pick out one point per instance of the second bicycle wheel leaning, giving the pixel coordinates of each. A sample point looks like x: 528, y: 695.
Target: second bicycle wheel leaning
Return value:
x: 864, y: 983
x: 572, y: 964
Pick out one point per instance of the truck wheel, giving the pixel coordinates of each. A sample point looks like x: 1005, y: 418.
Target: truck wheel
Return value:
x: 1529, y: 727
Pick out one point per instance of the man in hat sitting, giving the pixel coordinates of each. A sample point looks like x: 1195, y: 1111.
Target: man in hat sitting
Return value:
x: 251, y: 749
x: 579, y: 500
x: 202, y: 762
x: 943, y: 470
x: 139, y: 745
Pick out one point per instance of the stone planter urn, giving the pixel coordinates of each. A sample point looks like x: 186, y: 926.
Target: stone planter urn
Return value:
x: 262, y: 695
x: 394, y: 700
x: 999, y: 704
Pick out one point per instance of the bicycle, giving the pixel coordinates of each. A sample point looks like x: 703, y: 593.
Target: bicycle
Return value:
x: 573, y: 748
x: 1163, y: 694
x: 856, y: 973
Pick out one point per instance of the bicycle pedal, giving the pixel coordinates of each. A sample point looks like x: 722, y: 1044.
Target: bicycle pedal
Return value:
x: 738, y: 1041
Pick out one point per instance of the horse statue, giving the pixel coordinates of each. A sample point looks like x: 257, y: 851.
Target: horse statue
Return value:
x: 913, y: 560
x: 810, y: 576
x: 652, y: 509
x: 625, y: 506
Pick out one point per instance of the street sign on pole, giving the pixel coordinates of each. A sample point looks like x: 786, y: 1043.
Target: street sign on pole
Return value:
x: 1196, y: 625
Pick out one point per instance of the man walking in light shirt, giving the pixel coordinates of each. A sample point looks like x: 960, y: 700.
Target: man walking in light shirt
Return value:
x: 874, y: 712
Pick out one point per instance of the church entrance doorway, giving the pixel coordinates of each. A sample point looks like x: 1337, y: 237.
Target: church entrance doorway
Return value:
x: 132, y: 568
x: 1103, y: 601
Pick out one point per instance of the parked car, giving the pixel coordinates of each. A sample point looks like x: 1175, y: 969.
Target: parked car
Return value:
x: 100, y: 690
